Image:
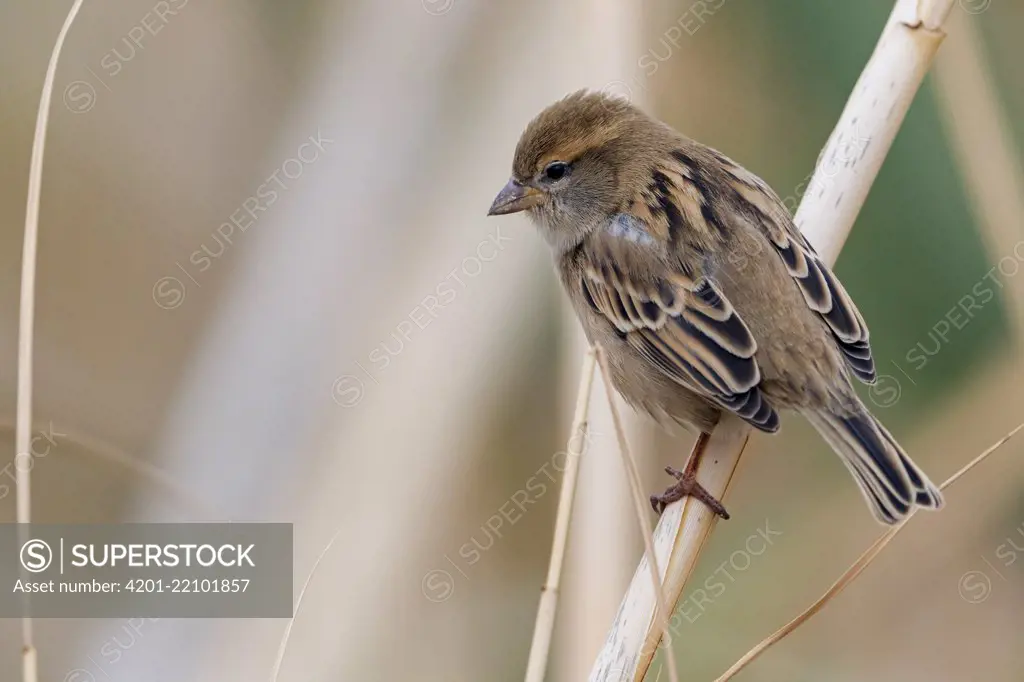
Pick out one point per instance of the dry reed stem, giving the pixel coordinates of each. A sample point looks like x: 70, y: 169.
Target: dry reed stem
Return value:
x: 981, y: 137
x: 545, y: 624
x: 26, y: 322
x: 637, y: 494
x: 847, y: 167
x: 855, y: 570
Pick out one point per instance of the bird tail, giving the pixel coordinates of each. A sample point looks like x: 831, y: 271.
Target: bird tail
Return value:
x: 891, y: 483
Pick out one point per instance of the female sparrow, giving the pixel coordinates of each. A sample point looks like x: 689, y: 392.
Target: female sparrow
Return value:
x: 689, y: 272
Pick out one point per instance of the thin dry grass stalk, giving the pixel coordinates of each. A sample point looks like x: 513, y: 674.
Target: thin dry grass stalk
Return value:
x: 637, y: 493
x: 26, y: 322
x: 545, y: 625
x: 847, y: 167
x: 854, y: 571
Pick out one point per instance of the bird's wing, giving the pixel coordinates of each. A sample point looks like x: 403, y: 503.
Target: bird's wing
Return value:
x: 822, y: 290
x: 676, y: 318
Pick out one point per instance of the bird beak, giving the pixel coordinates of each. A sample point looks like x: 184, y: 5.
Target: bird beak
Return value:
x: 515, y: 197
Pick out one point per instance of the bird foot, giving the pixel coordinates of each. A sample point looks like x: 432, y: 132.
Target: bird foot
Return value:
x: 686, y: 485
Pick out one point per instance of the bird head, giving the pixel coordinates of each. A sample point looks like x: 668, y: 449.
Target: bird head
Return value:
x: 575, y: 165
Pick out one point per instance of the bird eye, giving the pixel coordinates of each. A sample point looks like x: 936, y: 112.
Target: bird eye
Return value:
x: 556, y: 170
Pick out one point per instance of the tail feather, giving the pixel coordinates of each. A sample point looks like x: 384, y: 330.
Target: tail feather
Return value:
x: 927, y: 494
x: 891, y: 483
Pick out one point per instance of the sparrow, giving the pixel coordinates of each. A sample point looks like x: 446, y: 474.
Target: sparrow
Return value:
x: 688, y: 272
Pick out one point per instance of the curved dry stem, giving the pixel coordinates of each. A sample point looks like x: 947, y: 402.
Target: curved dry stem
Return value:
x: 548, y: 607
x: 646, y: 531
x: 855, y: 570
x: 283, y: 647
x: 106, y: 452
x: 26, y: 319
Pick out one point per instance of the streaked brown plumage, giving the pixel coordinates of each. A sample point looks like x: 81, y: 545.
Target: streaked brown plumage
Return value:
x: 688, y: 270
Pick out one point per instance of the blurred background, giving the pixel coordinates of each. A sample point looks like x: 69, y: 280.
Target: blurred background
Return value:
x: 268, y: 291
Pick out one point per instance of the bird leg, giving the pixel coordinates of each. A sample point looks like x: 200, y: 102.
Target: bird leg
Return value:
x: 687, y: 483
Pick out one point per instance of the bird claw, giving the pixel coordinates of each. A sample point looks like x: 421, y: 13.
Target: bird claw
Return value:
x: 686, y: 485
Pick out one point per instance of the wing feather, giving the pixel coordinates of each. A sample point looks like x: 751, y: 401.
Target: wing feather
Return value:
x: 680, y: 322
x: 825, y: 295
x: 822, y: 290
